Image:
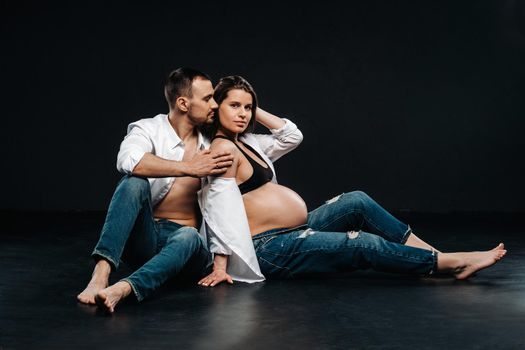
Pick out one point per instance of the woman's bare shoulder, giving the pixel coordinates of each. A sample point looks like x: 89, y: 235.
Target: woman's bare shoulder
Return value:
x: 224, y: 145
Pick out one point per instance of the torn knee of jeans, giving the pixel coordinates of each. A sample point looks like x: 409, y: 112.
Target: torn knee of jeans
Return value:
x: 352, y: 234
x: 306, y: 233
x: 335, y: 199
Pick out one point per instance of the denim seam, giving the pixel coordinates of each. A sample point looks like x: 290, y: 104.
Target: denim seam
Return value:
x: 108, y: 258
x: 279, y: 267
x: 361, y: 211
x: 280, y: 232
x: 146, y: 200
x: 406, y: 235
x: 410, y: 257
x: 269, y: 239
x: 133, y: 288
x: 376, y: 226
x: 435, y: 262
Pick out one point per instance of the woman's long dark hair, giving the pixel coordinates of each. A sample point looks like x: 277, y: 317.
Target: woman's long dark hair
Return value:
x: 232, y: 82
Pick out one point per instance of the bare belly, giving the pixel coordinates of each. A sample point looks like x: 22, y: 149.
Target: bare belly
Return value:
x: 180, y: 204
x: 274, y: 206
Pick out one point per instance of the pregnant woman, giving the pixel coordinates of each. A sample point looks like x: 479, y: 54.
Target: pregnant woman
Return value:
x: 257, y: 228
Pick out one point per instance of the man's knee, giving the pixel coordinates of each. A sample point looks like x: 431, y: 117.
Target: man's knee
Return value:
x: 186, y: 236
x: 134, y: 185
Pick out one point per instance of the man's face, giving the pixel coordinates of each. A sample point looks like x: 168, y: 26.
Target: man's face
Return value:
x: 202, y: 105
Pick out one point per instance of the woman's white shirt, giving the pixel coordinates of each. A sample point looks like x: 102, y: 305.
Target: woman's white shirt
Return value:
x: 225, y: 225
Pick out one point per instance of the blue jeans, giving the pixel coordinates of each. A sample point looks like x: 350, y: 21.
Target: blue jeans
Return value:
x: 158, y: 250
x: 347, y: 233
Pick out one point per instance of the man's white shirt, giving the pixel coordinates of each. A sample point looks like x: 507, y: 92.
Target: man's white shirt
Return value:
x: 155, y: 136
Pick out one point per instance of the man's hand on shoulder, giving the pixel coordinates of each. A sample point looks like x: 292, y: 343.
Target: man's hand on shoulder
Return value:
x: 208, y: 162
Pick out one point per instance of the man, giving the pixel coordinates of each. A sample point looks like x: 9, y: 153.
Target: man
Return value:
x: 152, y: 218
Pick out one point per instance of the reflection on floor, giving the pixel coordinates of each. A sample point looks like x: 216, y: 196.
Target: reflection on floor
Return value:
x: 45, y: 263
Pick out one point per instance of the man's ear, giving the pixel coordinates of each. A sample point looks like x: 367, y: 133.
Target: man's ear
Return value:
x: 183, y: 104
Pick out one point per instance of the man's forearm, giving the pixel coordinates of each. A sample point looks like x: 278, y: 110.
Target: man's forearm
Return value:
x: 152, y: 166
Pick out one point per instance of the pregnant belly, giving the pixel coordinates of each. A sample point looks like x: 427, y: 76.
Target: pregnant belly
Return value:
x: 274, y: 206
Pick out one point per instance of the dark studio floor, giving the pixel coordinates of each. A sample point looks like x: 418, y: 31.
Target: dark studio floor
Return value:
x: 45, y: 263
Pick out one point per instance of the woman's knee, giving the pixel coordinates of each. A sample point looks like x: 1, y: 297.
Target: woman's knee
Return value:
x: 360, y: 194
x: 356, y: 198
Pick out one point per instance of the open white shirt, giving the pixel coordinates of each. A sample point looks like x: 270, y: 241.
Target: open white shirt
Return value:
x: 225, y: 225
x: 156, y: 136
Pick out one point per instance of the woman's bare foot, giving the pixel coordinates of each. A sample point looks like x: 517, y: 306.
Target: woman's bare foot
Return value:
x: 476, y: 261
x: 108, y: 298
x: 99, y: 281
x: 463, y: 265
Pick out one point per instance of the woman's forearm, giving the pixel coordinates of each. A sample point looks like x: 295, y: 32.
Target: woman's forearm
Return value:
x: 269, y: 120
x: 220, y: 262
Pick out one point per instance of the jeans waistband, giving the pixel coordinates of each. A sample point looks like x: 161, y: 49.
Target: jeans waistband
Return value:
x: 166, y: 222
x: 278, y: 231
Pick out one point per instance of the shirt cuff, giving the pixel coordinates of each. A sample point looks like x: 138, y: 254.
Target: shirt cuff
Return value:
x: 217, y: 247
x: 130, y: 161
x: 288, y: 128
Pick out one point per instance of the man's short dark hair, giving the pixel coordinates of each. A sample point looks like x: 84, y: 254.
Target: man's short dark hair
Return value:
x: 179, y: 81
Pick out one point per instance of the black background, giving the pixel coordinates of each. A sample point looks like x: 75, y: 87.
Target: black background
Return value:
x: 418, y: 103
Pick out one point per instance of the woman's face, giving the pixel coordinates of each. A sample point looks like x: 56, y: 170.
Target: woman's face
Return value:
x: 235, y: 111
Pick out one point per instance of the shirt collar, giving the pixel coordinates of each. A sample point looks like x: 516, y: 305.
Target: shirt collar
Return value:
x: 174, y: 140
x: 203, y: 142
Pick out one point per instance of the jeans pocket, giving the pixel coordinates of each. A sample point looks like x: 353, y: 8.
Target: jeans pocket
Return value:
x: 267, y: 239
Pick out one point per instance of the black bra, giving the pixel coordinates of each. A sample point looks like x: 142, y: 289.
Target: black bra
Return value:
x: 260, y: 175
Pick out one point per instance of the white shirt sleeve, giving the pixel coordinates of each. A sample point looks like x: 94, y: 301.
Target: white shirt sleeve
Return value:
x: 281, y: 141
x: 215, y: 244
x: 227, y: 228
x: 136, y: 143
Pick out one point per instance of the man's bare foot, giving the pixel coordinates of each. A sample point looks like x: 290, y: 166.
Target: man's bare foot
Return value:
x: 99, y: 281
x: 108, y: 298
x: 475, y: 261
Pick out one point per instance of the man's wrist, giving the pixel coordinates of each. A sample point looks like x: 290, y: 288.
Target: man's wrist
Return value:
x: 183, y: 168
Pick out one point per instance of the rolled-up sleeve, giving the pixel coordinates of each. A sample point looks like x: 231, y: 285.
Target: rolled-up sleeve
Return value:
x: 216, y: 245
x: 280, y: 141
x: 132, y: 149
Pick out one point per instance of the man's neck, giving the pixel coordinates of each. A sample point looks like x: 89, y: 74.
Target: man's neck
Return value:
x: 182, y: 126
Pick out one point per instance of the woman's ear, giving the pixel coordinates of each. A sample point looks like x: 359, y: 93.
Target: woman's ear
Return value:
x: 183, y: 104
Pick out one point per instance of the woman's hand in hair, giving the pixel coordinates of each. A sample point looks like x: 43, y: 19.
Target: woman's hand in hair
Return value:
x: 269, y: 120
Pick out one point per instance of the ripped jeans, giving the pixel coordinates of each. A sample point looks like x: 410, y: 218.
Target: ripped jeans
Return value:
x: 348, y: 233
